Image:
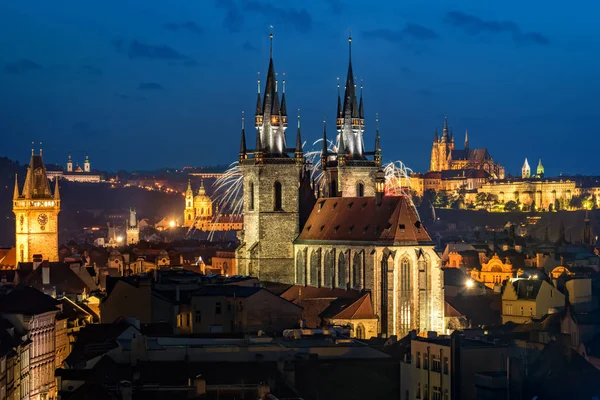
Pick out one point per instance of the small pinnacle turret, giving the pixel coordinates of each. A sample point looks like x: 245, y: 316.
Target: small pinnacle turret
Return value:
x: 324, y: 147
x: 445, y: 131
x: 298, y: 153
x: 242, y: 155
x: 56, y: 190
x: 16, y: 191
x: 377, y: 142
x: 466, y: 140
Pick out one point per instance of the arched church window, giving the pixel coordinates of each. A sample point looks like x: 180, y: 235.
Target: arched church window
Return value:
x: 202, y: 211
x: 300, y: 268
x: 251, y: 189
x: 328, y: 269
x: 360, y: 189
x: 360, y: 331
x: 357, y: 270
x: 189, y: 217
x: 278, y: 199
x: 315, y: 268
x: 341, y: 271
x: 189, y: 204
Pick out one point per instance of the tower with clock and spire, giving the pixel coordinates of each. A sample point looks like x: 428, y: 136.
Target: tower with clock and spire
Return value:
x: 36, y: 211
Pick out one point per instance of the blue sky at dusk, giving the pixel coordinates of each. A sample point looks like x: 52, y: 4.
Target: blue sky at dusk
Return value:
x: 147, y: 84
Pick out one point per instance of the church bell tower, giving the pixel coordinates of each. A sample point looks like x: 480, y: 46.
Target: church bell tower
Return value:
x: 36, y: 211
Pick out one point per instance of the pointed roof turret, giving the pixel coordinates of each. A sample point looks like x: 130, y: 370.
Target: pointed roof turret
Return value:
x: 56, y: 190
x: 298, y: 138
x: 466, y: 139
x: 270, y: 87
x: 377, y: 142
x: 361, y: 111
x: 350, y: 93
x: 189, y: 188
x: 243, y: 141
x: 201, y: 190
x: 16, y: 191
x: 341, y: 149
x: 259, y: 109
x: 445, y: 131
x: 540, y: 168
x: 339, y: 101
x: 36, y: 182
x: 276, y: 110
x: 283, y: 105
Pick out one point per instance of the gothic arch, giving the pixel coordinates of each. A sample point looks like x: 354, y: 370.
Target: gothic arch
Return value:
x: 301, y: 267
x: 277, y: 197
x: 360, y: 189
x: 405, y: 295
x: 328, y: 262
x: 251, y: 191
x: 357, y: 270
x: 360, y: 331
x: 342, y: 268
x: 385, y: 282
x: 315, y: 268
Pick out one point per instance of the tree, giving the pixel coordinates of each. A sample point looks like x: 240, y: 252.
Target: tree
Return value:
x: 576, y: 202
x: 511, y: 206
x: 556, y: 204
x: 441, y: 200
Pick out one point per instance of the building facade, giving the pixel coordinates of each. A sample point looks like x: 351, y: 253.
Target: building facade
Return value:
x: 76, y: 174
x: 36, y: 211
x: 199, y: 213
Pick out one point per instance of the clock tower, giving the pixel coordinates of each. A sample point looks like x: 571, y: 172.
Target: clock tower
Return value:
x: 36, y: 211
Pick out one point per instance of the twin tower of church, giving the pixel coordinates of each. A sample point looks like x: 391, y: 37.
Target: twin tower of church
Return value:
x: 278, y: 192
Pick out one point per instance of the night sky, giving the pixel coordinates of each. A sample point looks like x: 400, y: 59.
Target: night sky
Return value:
x: 148, y: 84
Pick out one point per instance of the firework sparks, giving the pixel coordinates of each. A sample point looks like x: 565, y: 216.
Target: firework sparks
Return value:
x: 397, y: 178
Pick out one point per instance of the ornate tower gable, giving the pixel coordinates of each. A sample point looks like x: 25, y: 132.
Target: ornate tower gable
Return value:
x: 525, y: 170
x: 36, y: 212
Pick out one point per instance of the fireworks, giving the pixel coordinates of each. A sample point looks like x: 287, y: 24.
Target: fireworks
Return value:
x: 397, y: 178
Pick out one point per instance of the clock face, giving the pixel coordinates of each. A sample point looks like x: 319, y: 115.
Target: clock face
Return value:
x: 42, y: 219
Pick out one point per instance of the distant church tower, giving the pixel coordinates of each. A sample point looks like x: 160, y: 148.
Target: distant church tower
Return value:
x: 69, y: 164
x: 442, y: 149
x: 525, y: 170
x: 274, y: 183
x: 540, y: 169
x: 36, y: 213
x: 133, y: 228
x: 189, y: 214
x: 349, y: 173
x: 86, y: 165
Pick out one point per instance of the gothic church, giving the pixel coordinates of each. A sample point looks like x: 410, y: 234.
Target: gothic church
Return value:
x: 352, y: 236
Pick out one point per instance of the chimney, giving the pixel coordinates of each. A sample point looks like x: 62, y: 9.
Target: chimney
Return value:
x: 37, y: 260
x: 46, y: 273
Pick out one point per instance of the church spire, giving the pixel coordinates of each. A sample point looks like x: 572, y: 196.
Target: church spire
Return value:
x: 377, y: 142
x: 350, y: 94
x: 341, y: 152
x: 283, y: 105
x: 324, y: 147
x: 56, y: 190
x: 16, y: 191
x: 540, y: 169
x: 445, y: 131
x: 242, y: 155
x: 361, y: 112
x: 298, y: 153
x: 258, y: 151
x: 339, y: 116
x: 466, y: 139
x: 259, y: 109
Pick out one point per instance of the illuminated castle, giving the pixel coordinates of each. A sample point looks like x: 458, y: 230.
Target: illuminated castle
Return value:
x: 36, y: 211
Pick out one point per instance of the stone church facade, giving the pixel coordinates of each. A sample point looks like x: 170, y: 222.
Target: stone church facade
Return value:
x: 352, y: 236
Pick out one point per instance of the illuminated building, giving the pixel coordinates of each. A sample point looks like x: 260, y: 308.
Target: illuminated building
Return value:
x: 353, y: 238
x: 76, y: 174
x: 444, y: 156
x: 199, y: 213
x: 133, y: 228
x: 494, y: 272
x: 36, y: 211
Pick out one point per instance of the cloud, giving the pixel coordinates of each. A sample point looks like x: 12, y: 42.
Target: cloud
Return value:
x: 188, y: 26
x: 409, y: 32
x: 150, y: 86
x: 91, y: 70
x: 158, y: 52
x: 22, y: 66
x: 475, y: 26
x: 248, y: 46
x: 299, y: 19
x: 234, y: 19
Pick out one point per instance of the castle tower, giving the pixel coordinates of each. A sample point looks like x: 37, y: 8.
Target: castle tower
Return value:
x: 36, y: 213
x: 273, y: 176
x: 86, y: 165
x: 442, y: 148
x: 525, y: 170
x: 189, y: 214
x: 540, y: 169
x: 69, y: 164
x: 133, y: 228
x: 350, y: 174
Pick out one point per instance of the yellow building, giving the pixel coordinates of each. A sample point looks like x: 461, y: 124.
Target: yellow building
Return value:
x: 199, y: 213
x: 494, y: 272
x: 527, y: 299
x: 36, y: 214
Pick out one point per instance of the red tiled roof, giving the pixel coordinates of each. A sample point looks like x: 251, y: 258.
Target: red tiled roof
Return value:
x: 360, y: 309
x: 361, y: 219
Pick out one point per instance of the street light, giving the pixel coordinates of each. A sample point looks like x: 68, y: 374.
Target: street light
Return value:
x: 469, y: 283
x: 172, y: 224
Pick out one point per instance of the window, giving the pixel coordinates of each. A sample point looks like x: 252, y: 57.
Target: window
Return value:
x: 531, y: 311
x: 198, y: 317
x: 189, y: 217
x: 218, y: 308
x: 178, y: 319
x: 278, y: 200
x: 418, y: 359
x: 509, y: 309
x: 360, y: 331
x: 251, y: 189
x: 435, y: 364
x: 436, y: 394
x: 188, y: 318
x: 425, y: 361
x: 521, y: 310
x: 418, y: 390
x: 360, y: 190
x: 426, y: 393
x: 446, y: 365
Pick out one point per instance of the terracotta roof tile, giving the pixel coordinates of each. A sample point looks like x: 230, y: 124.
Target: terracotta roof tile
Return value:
x: 360, y: 309
x: 361, y: 219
